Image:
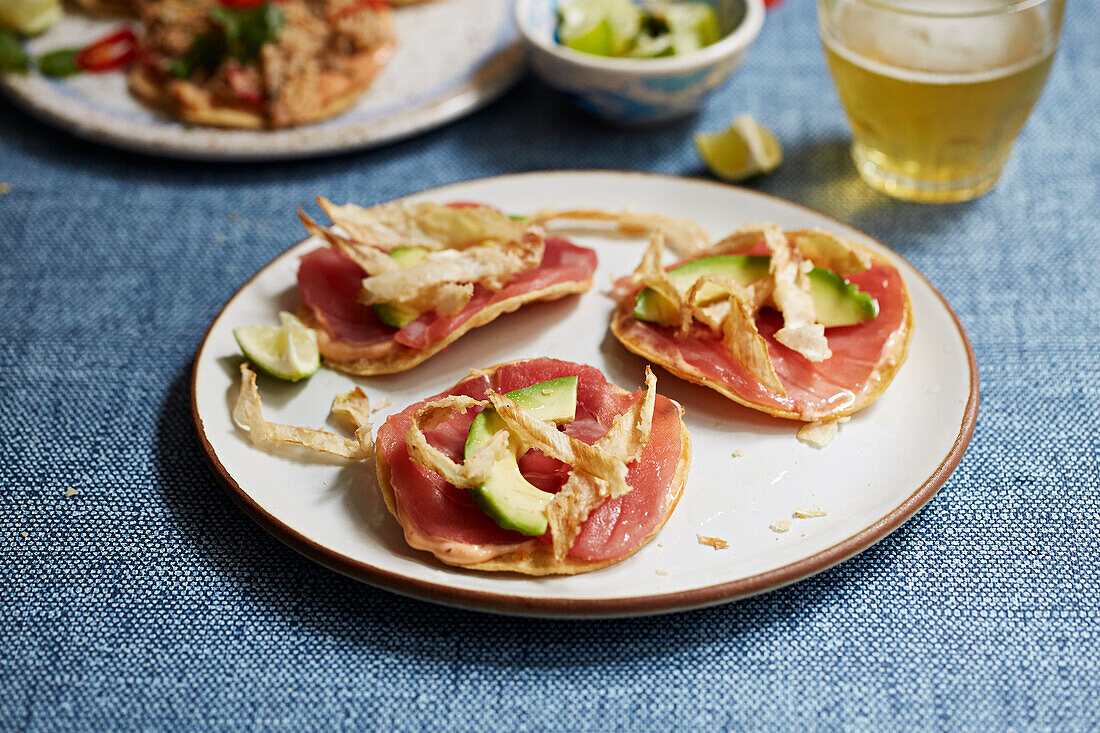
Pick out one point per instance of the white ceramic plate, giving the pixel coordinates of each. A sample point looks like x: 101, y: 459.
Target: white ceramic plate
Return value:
x: 453, y: 57
x: 884, y: 464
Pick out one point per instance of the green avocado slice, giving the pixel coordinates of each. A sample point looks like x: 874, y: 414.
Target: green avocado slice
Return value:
x: 837, y: 302
x: 393, y: 314
x: 507, y: 497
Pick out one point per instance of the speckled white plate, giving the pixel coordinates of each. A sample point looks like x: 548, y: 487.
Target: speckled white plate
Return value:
x: 884, y: 464
x: 454, y: 56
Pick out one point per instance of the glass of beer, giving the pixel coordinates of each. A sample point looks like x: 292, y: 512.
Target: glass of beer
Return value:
x: 937, y: 90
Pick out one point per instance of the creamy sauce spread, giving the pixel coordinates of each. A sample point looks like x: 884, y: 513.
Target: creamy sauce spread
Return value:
x: 458, y: 553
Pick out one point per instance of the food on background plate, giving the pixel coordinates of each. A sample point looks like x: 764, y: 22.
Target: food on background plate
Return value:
x: 399, y: 282
x: 743, y: 150
x: 537, y: 466
x: 239, y: 63
x: 624, y: 28
x: 799, y: 324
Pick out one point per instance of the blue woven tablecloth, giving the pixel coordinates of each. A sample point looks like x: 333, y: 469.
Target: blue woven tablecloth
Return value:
x: 148, y: 600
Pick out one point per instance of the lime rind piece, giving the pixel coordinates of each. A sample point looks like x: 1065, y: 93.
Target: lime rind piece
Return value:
x: 288, y: 351
x: 599, y: 27
x: 29, y: 17
x: 692, y: 26
x: 743, y: 150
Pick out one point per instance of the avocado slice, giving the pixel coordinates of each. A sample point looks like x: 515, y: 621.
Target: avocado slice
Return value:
x: 393, y: 314
x: 507, y: 497
x: 837, y: 302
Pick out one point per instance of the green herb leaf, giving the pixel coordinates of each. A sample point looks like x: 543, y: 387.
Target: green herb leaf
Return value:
x: 246, y: 31
x: 12, y: 56
x: 205, y: 54
x: 59, y: 63
x: 241, y: 34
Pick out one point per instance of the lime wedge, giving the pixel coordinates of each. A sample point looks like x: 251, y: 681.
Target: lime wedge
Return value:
x: 287, y: 352
x: 601, y: 27
x: 692, y: 26
x: 29, y: 17
x: 743, y: 150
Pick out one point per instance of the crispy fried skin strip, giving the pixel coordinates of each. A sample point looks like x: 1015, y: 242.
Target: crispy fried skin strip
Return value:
x: 476, y: 468
x: 651, y: 274
x: 491, y: 265
x: 746, y: 345
x: 830, y: 251
x: 373, y: 260
x: 582, y: 492
x: 425, y: 224
x: 353, y: 405
x: 800, y: 332
x: 686, y: 238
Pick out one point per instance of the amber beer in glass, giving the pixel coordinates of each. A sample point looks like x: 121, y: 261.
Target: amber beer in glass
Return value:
x: 937, y: 90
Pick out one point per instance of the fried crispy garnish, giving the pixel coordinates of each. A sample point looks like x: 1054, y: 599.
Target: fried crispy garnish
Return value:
x: 373, y: 260
x: 651, y: 274
x: 829, y: 251
x: 685, y: 237
x: 800, y: 332
x: 583, y: 492
x: 744, y: 238
x: 491, y: 265
x: 810, y: 513
x: 451, y: 298
x: 474, y: 471
x: 716, y: 542
x: 353, y: 406
x: 818, y: 434
x: 745, y: 344
x: 535, y: 433
x: 429, y: 225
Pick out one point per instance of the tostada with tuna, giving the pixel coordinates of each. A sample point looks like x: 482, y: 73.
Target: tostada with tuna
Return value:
x: 539, y: 466
x: 799, y: 324
x: 399, y: 282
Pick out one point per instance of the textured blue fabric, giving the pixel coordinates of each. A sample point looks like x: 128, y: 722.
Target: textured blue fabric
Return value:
x: 148, y: 600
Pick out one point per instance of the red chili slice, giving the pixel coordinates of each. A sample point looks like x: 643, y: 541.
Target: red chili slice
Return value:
x: 110, y: 52
x: 234, y: 75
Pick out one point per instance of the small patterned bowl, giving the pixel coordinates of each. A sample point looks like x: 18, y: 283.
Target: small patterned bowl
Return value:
x: 636, y: 91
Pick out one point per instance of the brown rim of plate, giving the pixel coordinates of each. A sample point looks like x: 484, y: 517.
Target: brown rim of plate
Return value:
x: 606, y: 607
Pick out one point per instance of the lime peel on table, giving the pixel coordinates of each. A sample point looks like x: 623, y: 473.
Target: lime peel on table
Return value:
x: 286, y: 352
x: 743, y: 150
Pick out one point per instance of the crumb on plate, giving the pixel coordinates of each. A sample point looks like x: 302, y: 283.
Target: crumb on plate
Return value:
x: 818, y: 434
x: 780, y: 525
x: 716, y: 542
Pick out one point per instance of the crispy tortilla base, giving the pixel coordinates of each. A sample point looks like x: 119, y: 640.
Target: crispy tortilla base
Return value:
x: 391, y: 357
x: 887, y: 368
x: 199, y: 107
x: 537, y: 558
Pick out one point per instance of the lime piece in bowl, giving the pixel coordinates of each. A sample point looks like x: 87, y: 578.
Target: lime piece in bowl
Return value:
x: 601, y: 27
x: 286, y: 352
x: 745, y: 149
x: 692, y: 25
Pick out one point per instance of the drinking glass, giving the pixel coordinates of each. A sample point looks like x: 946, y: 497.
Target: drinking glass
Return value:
x: 937, y: 90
